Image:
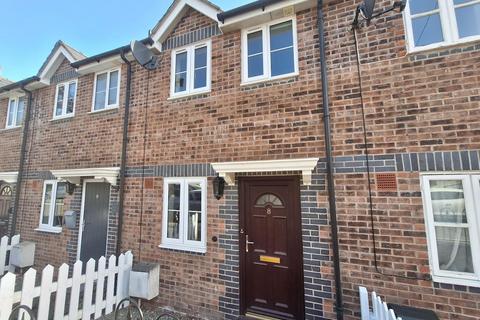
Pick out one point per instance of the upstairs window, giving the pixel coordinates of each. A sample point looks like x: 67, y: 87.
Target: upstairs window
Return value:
x: 106, y: 91
x: 452, y: 209
x: 269, y: 51
x: 65, y: 98
x: 191, y: 70
x: 184, y: 222
x: 51, y: 214
x: 15, y: 114
x: 433, y: 23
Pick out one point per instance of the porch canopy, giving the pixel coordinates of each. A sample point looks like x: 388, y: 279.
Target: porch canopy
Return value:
x: 110, y: 175
x: 227, y: 170
x: 9, y: 177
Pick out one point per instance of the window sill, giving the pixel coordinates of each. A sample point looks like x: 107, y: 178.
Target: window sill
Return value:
x: 457, y: 281
x: 10, y: 128
x: 441, y: 46
x: 188, y: 95
x: 55, y: 230
x: 271, y: 79
x: 184, y: 248
x: 104, y: 110
x: 62, y: 118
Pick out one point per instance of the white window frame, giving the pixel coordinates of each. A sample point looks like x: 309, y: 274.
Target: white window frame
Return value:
x: 472, y: 206
x: 182, y: 243
x: 107, y: 106
x: 66, y: 86
x: 15, y: 99
x: 190, y: 50
x: 265, y: 28
x: 448, y: 21
x: 48, y: 227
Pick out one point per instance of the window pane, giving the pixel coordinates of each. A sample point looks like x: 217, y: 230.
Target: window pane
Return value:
x: 461, y: 1
x: 72, y: 90
x: 427, y: 30
x: 200, y: 57
x: 100, y: 91
x: 20, y: 111
x: 59, y: 106
x: 468, y: 20
x: 181, y: 82
x: 47, y: 203
x: 448, y: 202
x: 173, y: 219
x: 181, y: 72
x: 281, y: 36
x: 200, y: 78
x: 255, y: 66
x: 194, y: 212
x: 282, y: 62
x: 255, y: 44
x: 419, y: 6
x: 11, y: 113
x: 113, y: 88
x: 59, y: 204
x: 454, y: 250
x: 181, y: 62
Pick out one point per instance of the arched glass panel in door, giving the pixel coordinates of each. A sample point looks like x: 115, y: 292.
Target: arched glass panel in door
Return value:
x: 269, y: 199
x: 6, y: 191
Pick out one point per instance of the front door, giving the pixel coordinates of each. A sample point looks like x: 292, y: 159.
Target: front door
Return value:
x: 271, y: 247
x: 6, y: 195
x: 95, y: 220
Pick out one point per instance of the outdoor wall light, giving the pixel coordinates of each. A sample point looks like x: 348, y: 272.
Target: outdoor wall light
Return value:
x: 70, y: 188
x: 218, y: 187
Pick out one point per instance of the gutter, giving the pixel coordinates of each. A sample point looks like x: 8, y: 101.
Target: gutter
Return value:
x: 260, y: 4
x: 23, y: 149
x: 123, y: 161
x: 20, y: 84
x: 107, y: 54
x: 328, y: 153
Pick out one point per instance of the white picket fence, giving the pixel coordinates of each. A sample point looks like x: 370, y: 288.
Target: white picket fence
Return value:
x: 5, y: 247
x: 380, y: 309
x: 96, y: 292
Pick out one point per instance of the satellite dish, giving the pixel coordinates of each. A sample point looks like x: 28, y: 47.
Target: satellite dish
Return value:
x: 367, y: 8
x: 143, y: 55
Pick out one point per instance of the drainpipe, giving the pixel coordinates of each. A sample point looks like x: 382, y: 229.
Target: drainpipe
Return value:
x: 23, y: 149
x: 328, y: 153
x: 123, y: 164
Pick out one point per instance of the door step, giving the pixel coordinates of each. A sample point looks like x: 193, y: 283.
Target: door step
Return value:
x: 257, y: 316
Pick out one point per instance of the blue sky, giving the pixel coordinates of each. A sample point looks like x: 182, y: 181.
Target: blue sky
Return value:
x: 30, y: 28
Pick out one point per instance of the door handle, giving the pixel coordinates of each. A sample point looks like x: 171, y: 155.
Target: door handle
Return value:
x: 247, y: 243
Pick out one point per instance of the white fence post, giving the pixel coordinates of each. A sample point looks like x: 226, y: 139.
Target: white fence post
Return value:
x: 4, y: 248
x: 380, y: 309
x: 92, y: 304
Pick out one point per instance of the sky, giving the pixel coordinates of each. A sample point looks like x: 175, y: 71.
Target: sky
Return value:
x: 30, y: 28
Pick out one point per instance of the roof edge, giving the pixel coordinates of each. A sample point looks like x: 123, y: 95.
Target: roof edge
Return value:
x: 19, y: 84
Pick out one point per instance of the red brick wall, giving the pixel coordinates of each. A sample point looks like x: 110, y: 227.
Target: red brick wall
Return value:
x: 10, y: 141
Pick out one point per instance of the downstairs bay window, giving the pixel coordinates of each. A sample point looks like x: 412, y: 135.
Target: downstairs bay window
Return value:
x: 184, y: 214
x: 51, y: 214
x: 452, y: 209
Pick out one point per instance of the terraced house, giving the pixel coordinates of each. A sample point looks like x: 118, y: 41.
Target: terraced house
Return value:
x: 350, y: 156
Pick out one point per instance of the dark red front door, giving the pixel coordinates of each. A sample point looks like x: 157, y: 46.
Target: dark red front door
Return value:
x: 271, y: 247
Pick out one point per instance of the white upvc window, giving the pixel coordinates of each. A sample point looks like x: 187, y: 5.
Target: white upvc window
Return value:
x: 452, y: 212
x: 184, y: 219
x: 270, y: 51
x: 106, y: 91
x: 16, y: 112
x: 435, y: 23
x: 65, y: 98
x: 191, y: 70
x: 51, y: 214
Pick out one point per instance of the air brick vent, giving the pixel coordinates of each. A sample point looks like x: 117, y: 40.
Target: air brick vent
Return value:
x: 386, y: 181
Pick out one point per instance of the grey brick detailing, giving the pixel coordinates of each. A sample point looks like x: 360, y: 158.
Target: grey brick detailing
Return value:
x: 68, y: 75
x: 173, y: 170
x: 315, y: 249
x: 229, y: 270
x: 423, y: 162
x: 191, y: 37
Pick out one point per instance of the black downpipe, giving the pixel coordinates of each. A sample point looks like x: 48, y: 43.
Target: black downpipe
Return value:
x: 18, y: 187
x: 123, y: 161
x: 328, y: 153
